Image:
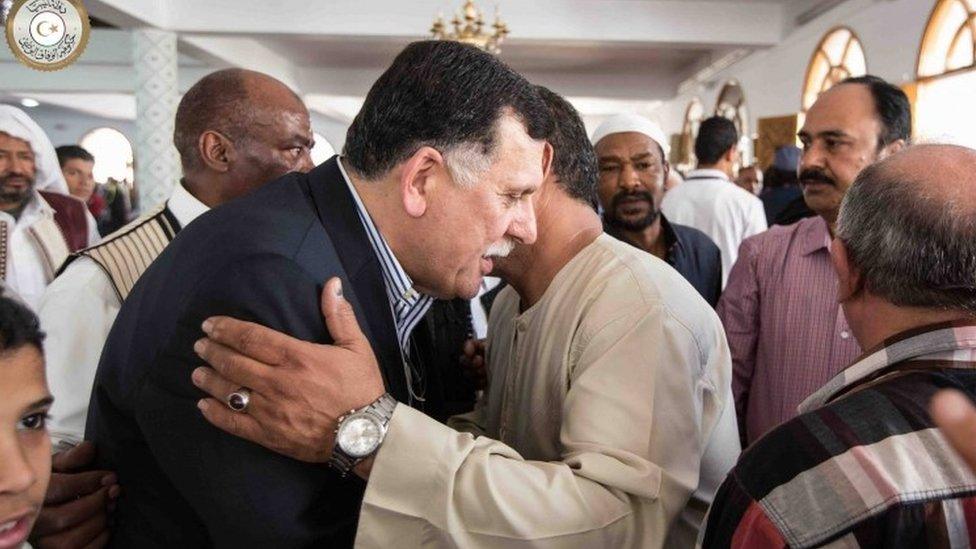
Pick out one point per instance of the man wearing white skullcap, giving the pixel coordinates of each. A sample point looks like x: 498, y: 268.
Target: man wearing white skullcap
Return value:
x: 632, y: 154
x: 40, y: 224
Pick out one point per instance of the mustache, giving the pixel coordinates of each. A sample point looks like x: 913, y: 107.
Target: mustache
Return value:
x: 501, y: 248
x: 624, y: 195
x: 14, y: 177
x: 815, y: 176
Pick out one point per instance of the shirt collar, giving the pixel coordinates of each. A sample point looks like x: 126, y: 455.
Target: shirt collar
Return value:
x: 815, y: 236
x: 185, y: 206
x: 706, y: 173
x: 407, y: 305
x: 398, y: 282
x: 672, y: 240
x: 947, y: 341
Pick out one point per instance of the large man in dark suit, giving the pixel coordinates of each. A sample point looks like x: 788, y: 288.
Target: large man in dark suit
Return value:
x: 435, y: 179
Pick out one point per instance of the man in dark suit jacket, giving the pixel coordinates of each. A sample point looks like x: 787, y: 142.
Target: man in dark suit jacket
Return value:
x: 438, y: 169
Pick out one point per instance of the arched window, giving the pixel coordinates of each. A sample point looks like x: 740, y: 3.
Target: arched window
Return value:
x: 947, y: 74
x: 839, y: 55
x: 323, y: 150
x: 684, y: 157
x: 112, y: 152
x: 731, y: 104
x: 949, y: 40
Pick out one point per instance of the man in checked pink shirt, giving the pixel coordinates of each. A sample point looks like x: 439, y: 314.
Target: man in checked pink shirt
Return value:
x: 787, y: 333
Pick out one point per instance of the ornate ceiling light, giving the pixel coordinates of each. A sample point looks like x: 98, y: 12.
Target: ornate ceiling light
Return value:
x: 469, y: 28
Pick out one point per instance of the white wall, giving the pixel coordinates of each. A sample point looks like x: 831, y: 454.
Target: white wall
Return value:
x: 67, y: 126
x: 330, y: 128
x: 772, y: 79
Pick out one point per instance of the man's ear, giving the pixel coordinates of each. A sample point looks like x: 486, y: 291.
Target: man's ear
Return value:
x: 667, y: 172
x: 848, y: 276
x: 216, y: 151
x: 418, y: 176
x: 895, y: 146
x: 548, y: 155
x: 731, y: 154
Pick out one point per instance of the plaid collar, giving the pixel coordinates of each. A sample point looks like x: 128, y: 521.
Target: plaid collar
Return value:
x: 947, y: 341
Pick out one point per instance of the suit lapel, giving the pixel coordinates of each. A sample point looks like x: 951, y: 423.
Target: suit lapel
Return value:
x: 337, y: 213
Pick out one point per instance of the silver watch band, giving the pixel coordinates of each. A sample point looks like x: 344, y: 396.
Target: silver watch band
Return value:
x: 381, y: 408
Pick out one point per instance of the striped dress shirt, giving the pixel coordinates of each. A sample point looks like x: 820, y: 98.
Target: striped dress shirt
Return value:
x: 787, y: 333
x: 863, y: 466
x: 408, y: 306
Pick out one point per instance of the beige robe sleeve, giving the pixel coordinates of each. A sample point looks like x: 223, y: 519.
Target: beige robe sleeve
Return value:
x: 472, y: 422
x: 635, y: 383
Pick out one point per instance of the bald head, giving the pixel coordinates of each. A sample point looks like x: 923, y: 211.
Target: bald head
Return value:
x: 237, y: 129
x: 943, y: 176
x: 225, y: 101
x: 909, y: 226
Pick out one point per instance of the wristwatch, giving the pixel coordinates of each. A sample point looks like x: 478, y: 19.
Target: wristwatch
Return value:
x: 360, y: 433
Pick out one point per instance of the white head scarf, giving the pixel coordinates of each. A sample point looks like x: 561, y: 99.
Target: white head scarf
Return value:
x: 48, y: 177
x: 620, y: 123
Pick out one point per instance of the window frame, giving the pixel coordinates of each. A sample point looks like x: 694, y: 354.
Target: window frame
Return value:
x: 930, y: 34
x: 831, y: 67
x: 131, y: 167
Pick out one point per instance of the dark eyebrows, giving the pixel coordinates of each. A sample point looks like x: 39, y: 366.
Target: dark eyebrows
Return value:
x: 27, y: 152
x: 827, y: 133
x: 834, y: 133
x: 613, y: 158
x: 46, y: 401
x: 299, y: 139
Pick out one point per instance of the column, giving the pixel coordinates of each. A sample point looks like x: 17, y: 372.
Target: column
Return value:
x: 157, y: 165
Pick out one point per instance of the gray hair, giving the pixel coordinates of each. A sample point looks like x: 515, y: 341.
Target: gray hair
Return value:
x: 913, y: 247
x: 468, y: 162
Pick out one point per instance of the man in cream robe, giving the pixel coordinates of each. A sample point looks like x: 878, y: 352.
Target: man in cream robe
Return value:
x: 616, y: 373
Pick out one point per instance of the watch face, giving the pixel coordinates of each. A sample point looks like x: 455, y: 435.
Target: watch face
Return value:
x: 359, y: 435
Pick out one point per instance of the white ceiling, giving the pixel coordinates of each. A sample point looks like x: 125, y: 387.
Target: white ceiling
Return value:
x: 605, y: 55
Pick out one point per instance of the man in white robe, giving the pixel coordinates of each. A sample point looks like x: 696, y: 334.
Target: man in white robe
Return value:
x: 40, y: 223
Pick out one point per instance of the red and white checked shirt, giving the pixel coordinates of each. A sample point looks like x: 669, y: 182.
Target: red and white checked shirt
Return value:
x: 787, y: 333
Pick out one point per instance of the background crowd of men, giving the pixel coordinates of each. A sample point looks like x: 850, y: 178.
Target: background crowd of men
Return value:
x: 739, y: 359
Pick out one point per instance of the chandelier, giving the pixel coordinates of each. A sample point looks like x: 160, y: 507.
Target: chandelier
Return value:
x: 468, y: 28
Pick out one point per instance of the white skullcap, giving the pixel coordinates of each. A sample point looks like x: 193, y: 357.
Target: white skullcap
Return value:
x: 620, y: 123
x: 48, y: 177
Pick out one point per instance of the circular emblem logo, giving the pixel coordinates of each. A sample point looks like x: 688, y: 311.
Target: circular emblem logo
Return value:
x: 47, y: 34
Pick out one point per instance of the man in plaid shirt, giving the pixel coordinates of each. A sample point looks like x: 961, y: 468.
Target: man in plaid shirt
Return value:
x: 864, y: 465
